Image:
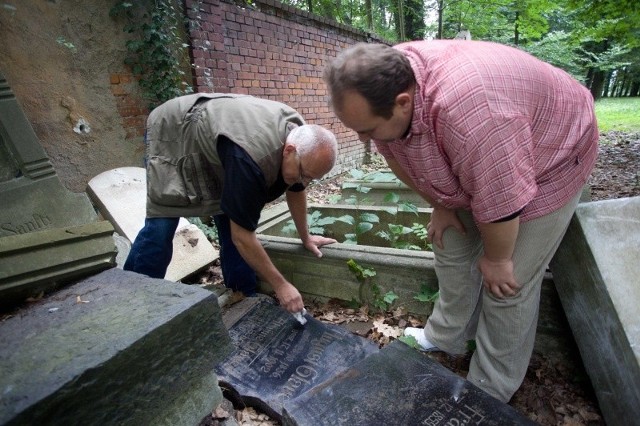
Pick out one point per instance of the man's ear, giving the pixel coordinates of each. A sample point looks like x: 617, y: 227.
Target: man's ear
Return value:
x: 404, y: 100
x: 288, y: 149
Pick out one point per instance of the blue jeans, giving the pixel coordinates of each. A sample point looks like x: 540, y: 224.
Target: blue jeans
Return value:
x: 152, y: 250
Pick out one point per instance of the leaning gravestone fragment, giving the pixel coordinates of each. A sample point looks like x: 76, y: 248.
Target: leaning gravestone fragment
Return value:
x: 276, y: 359
x: 49, y: 236
x: 398, y: 386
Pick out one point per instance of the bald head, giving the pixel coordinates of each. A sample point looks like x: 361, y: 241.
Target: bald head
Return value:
x: 316, y: 144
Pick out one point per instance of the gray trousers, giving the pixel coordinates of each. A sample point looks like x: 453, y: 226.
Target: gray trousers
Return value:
x: 504, y: 329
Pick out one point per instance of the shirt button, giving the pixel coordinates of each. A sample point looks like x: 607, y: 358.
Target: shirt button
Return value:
x: 421, y: 180
x: 440, y: 200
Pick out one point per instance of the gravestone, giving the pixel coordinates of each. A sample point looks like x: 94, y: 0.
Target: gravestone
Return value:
x: 115, y: 348
x: 321, y: 374
x: 38, y: 212
x: 399, y: 386
x: 276, y: 359
x: 596, y: 270
x: 120, y: 196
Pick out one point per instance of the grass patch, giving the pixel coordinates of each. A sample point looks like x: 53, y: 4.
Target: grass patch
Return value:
x: 621, y: 114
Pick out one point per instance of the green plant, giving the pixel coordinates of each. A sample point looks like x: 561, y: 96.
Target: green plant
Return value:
x: 157, y: 54
x: 316, y: 223
x: 411, y: 341
x: 394, y: 235
x: 420, y: 231
x: 364, y: 276
x: 426, y: 294
x: 206, y: 226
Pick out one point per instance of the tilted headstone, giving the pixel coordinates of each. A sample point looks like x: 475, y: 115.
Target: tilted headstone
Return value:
x: 277, y: 359
x: 399, y: 386
x: 120, y: 195
x: 35, y: 201
x: 597, y: 270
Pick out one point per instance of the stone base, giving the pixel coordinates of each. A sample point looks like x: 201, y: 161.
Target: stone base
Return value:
x: 116, y: 348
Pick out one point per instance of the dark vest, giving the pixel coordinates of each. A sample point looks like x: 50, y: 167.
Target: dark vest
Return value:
x: 184, y: 173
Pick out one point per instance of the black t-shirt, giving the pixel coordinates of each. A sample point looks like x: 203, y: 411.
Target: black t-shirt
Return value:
x: 245, y: 192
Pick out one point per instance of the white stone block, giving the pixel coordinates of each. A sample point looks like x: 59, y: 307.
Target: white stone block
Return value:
x: 120, y: 197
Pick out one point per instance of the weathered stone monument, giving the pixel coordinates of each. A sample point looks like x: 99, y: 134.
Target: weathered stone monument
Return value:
x: 321, y: 374
x: 115, y: 348
x: 48, y: 235
x: 597, y: 274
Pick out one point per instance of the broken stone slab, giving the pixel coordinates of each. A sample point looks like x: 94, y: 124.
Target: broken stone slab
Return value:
x: 276, y: 359
x: 398, y: 386
x: 115, y: 348
x: 33, y: 198
x: 42, y: 261
x: 120, y: 196
x: 596, y: 270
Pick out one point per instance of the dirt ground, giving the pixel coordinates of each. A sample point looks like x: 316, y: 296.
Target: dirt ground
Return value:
x: 554, y: 392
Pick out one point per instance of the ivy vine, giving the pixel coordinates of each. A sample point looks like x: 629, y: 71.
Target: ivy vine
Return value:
x: 157, y: 53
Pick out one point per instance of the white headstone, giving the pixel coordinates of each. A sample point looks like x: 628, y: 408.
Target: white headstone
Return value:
x: 120, y: 196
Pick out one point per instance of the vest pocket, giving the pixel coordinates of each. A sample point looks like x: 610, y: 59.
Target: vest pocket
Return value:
x: 165, y: 184
x: 200, y: 180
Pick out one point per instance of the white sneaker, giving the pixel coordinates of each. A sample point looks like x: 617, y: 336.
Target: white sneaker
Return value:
x: 423, y: 342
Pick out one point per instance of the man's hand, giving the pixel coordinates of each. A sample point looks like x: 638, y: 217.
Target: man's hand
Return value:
x: 498, y: 278
x: 441, y: 219
x: 314, y: 242
x: 289, y: 297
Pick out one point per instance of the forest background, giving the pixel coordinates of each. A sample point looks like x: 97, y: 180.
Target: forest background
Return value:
x: 596, y: 41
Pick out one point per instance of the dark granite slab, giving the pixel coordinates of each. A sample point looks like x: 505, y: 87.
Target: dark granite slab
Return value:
x: 117, y: 348
x: 398, y: 386
x: 276, y: 359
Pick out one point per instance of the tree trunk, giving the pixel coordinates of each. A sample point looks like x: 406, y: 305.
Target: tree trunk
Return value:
x: 440, y: 18
x: 597, y: 83
x: 369, y: 13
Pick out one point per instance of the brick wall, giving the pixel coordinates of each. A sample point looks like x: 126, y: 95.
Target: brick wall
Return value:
x: 130, y: 105
x: 273, y: 51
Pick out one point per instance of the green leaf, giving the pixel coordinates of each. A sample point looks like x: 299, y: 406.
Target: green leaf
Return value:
x: 369, y: 217
x: 363, y: 227
x: 411, y: 341
x: 346, y: 219
x: 390, y: 209
x: 390, y: 297
x: 391, y: 197
x: 426, y: 294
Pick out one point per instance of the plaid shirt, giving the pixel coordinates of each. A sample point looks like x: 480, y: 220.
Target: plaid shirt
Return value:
x: 495, y: 130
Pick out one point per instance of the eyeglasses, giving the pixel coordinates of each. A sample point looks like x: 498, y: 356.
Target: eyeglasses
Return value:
x: 304, y: 179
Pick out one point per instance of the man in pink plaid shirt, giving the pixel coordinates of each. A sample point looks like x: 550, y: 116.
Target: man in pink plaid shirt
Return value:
x: 500, y: 144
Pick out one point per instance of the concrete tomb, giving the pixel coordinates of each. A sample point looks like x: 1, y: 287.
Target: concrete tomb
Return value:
x: 597, y: 272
